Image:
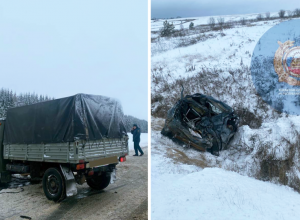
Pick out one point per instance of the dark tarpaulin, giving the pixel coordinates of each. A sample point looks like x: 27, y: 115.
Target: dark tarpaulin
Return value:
x: 87, y: 117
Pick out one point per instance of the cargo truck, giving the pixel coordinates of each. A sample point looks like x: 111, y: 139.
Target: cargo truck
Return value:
x: 62, y: 142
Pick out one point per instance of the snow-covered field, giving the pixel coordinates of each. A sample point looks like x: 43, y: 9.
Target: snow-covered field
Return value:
x: 224, y: 49
x: 226, y: 53
x: 188, y: 184
x: 157, y: 24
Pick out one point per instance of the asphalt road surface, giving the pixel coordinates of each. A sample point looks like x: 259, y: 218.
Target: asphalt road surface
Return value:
x: 126, y: 198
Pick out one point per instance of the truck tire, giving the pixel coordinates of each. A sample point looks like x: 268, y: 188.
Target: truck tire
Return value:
x: 99, y: 182
x: 54, y: 185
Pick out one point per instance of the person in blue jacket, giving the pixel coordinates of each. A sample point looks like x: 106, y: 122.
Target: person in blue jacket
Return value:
x: 136, y: 132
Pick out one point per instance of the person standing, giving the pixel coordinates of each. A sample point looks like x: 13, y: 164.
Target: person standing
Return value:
x: 136, y: 133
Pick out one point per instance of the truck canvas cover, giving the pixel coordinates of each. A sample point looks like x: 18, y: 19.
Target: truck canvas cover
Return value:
x: 82, y: 116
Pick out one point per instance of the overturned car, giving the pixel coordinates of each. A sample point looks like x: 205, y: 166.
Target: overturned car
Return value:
x: 202, y: 122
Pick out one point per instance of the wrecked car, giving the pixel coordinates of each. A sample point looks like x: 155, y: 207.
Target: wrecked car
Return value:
x: 201, y: 122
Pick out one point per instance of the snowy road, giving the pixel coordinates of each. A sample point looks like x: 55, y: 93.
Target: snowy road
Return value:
x: 127, y: 198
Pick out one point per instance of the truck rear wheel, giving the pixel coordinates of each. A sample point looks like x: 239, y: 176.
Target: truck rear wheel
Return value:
x: 99, y: 182
x: 54, y: 185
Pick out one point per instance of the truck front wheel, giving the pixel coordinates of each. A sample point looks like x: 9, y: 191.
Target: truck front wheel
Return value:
x: 99, y: 182
x: 54, y: 185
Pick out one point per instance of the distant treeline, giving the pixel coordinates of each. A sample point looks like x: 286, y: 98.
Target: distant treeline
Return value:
x: 9, y: 99
x: 130, y: 120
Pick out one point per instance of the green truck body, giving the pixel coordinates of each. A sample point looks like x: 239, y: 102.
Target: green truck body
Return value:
x: 99, y: 143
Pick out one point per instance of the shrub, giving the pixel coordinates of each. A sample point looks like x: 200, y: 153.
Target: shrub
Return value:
x: 259, y: 17
x: 221, y: 21
x: 228, y: 24
x: 191, y: 26
x: 167, y: 30
x: 211, y: 22
x: 248, y: 118
x: 243, y: 21
x: 181, y: 27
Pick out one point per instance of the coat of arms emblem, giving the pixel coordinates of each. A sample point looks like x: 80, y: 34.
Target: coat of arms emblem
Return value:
x: 287, y: 63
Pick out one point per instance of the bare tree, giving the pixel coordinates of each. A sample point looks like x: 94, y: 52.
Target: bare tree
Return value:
x: 243, y: 21
x: 259, y: 17
x: 281, y: 13
x: 289, y: 13
x: 182, y: 32
x: 211, y: 22
x: 221, y: 21
x: 297, y: 12
x: 181, y: 26
x: 268, y: 15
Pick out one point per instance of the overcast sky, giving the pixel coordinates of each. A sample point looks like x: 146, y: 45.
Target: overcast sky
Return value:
x: 60, y: 48
x: 197, y: 8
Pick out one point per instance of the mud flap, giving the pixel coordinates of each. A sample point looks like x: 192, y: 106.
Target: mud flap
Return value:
x: 113, y: 176
x: 71, y: 189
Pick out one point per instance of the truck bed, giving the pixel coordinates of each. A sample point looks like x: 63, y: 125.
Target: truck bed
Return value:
x: 69, y: 152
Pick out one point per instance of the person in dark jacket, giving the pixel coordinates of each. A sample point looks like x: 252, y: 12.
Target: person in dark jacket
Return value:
x: 136, y: 132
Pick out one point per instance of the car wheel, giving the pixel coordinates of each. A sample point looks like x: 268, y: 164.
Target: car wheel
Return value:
x: 215, y: 148
x: 54, y: 185
x: 99, y: 182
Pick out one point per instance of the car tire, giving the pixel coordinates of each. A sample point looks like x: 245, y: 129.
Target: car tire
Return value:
x: 99, y: 182
x: 215, y: 148
x: 54, y: 185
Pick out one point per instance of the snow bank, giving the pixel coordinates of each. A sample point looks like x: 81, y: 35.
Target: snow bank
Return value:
x: 214, y: 193
x: 271, y: 135
x: 181, y: 189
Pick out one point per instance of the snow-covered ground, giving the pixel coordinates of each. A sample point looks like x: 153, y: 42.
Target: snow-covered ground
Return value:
x: 188, y: 184
x: 184, y: 185
x: 229, y: 50
x: 224, y: 49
